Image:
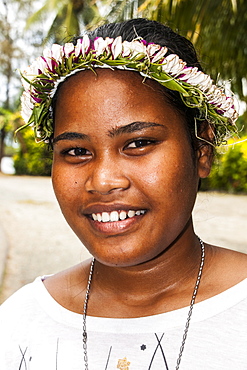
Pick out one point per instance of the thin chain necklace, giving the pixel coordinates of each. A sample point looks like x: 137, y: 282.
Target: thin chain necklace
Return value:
x: 192, y: 302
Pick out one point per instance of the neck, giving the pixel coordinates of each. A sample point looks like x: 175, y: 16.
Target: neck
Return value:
x: 155, y: 283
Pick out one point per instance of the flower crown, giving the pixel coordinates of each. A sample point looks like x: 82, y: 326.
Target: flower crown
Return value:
x: 196, y: 88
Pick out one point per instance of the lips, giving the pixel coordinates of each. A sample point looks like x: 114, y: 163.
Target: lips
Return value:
x: 115, y: 216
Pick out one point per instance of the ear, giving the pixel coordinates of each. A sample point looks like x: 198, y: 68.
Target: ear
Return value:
x: 205, y: 151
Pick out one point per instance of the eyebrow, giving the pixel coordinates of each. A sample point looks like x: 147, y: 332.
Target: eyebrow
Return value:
x: 70, y: 136
x: 132, y: 127
x: 116, y: 131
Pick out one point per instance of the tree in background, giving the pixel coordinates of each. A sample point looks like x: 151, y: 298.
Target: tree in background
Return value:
x: 65, y: 18
x: 7, y: 54
x: 216, y: 27
x: 32, y: 158
x: 11, y: 53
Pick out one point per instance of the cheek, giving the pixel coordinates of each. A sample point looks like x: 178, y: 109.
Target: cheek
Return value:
x: 65, y: 184
x: 170, y: 184
x: 167, y: 174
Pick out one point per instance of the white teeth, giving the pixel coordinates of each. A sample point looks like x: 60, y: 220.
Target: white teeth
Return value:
x: 123, y: 215
x: 115, y: 216
x: 131, y: 214
x: 105, y: 217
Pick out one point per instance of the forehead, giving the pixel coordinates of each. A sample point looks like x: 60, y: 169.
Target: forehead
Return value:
x: 113, y: 97
x: 120, y: 85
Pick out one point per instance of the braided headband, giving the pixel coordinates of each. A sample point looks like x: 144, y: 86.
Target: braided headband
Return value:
x: 196, y: 88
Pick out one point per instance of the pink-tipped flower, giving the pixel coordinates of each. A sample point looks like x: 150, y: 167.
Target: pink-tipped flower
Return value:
x: 101, y: 45
x: 41, y: 65
x: 33, y: 71
x: 57, y: 52
x: 206, y: 83
x: 36, y: 99
x: 26, y: 106
x: 116, y: 47
x: 68, y: 48
x: 137, y: 48
x: 47, y: 56
x: 152, y: 49
x: 126, y: 49
x: 197, y: 78
x: 187, y: 73
x: 82, y: 46
x: 173, y: 65
x: 159, y: 55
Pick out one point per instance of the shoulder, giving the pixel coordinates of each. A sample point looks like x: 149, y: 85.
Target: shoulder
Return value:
x: 21, y: 299
x: 69, y: 286
x: 224, y: 268
x: 235, y: 263
x: 18, y: 311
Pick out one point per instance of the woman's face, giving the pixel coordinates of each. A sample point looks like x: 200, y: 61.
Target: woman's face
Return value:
x: 123, y: 170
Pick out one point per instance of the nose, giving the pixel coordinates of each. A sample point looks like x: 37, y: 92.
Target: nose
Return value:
x: 106, y: 176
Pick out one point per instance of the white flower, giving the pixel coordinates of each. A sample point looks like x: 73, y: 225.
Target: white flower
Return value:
x: 25, y: 84
x: 159, y: 55
x: 231, y: 113
x: 32, y: 71
x: 197, y: 78
x: 48, y: 57
x: 101, y: 45
x: 41, y: 65
x: 78, y: 48
x: 68, y: 49
x: 152, y: 49
x: 82, y: 46
x: 173, y: 65
x: 133, y: 48
x: 126, y: 49
x: 227, y: 103
x: 26, y: 106
x: 137, y: 48
x: 211, y: 90
x: 187, y: 73
x: 206, y: 83
x: 116, y: 47
x: 85, y: 45
x: 57, y: 52
x: 217, y: 97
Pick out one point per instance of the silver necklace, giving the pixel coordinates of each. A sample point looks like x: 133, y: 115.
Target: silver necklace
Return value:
x: 192, y: 302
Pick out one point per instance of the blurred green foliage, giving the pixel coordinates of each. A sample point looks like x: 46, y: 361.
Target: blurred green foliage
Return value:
x: 32, y: 158
x: 229, y: 171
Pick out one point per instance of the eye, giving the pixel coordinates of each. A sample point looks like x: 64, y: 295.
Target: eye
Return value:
x: 76, y: 152
x: 140, y: 143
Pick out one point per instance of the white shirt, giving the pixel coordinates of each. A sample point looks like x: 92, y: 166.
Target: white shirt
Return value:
x: 36, y: 333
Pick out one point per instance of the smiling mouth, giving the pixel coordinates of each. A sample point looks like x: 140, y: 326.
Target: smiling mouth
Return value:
x: 116, y: 216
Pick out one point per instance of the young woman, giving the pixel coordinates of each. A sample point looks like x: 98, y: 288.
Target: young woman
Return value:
x: 132, y: 121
